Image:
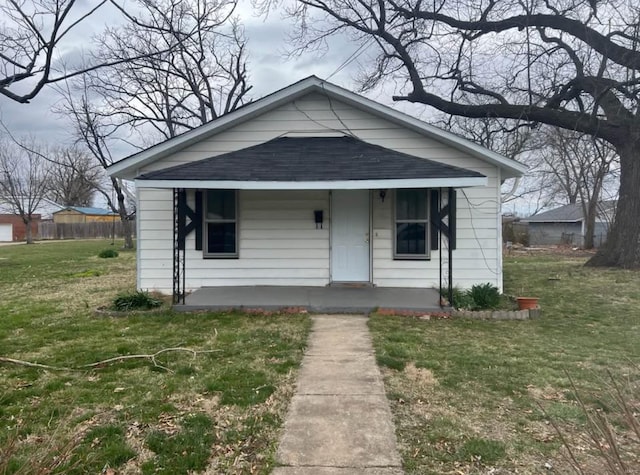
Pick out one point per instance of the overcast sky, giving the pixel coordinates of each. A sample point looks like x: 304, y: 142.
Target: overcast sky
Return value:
x: 269, y: 70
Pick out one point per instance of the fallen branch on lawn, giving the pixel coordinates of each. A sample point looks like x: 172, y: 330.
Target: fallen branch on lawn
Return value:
x: 33, y: 365
x: 151, y: 357
x: 116, y: 359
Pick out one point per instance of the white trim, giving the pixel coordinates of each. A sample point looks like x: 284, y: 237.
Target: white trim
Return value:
x: 427, y: 235
x: 205, y: 224
x: 127, y: 167
x: 317, y: 185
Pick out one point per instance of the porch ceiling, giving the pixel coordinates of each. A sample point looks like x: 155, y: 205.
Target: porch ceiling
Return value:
x: 313, y: 163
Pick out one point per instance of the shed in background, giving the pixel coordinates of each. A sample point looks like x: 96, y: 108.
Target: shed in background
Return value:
x: 566, y: 225
x: 79, y: 214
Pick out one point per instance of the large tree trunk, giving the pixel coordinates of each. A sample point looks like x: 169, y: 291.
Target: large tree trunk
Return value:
x: 121, y: 209
x: 623, y: 243
x: 126, y: 222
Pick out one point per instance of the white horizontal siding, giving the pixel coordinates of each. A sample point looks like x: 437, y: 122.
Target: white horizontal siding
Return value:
x: 154, y: 218
x: 477, y: 253
x: 278, y: 245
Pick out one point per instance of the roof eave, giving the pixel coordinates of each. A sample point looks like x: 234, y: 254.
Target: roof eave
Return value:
x: 464, y: 182
x: 547, y: 221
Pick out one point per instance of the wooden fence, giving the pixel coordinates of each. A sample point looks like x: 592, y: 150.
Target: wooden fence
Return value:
x: 98, y: 230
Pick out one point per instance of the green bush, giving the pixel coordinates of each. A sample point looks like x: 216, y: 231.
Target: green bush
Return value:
x: 479, y: 297
x: 138, y: 300
x: 485, y: 296
x: 108, y: 253
x: 459, y: 298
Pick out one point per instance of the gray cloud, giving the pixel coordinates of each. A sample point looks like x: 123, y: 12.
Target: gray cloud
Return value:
x: 269, y: 68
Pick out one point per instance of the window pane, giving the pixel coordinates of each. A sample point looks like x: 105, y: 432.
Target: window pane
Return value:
x: 411, y: 204
x: 221, y: 238
x: 221, y: 204
x: 411, y: 238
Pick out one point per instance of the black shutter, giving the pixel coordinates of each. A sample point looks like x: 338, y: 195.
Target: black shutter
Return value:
x: 434, y: 218
x: 182, y: 218
x: 195, y: 219
x: 437, y: 215
x: 452, y: 217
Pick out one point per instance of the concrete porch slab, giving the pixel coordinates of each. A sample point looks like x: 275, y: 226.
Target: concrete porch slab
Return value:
x: 312, y: 299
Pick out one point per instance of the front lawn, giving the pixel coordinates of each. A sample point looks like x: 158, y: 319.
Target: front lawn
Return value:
x: 483, y: 396
x: 219, y: 410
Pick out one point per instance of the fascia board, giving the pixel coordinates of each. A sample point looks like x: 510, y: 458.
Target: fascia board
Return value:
x: 317, y: 185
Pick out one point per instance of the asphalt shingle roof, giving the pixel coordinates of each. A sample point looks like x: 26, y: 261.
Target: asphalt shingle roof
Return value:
x: 567, y: 213
x: 572, y: 213
x: 311, y: 159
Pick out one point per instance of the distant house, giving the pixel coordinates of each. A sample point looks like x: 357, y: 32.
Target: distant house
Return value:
x: 79, y: 214
x: 567, y: 225
x: 12, y: 227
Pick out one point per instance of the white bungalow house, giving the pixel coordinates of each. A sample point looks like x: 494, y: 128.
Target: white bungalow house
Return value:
x: 315, y: 186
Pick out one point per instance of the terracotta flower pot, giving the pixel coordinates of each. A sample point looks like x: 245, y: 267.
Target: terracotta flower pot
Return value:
x: 525, y: 303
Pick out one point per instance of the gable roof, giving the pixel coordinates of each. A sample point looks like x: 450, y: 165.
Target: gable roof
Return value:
x: 127, y: 167
x: 317, y: 160
x: 88, y: 210
x: 571, y: 213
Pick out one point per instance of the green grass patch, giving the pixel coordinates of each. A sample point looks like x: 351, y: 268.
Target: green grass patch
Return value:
x: 87, y: 273
x: 183, y: 452
x: 390, y: 362
x: 241, y: 386
x: 481, y: 450
x: 469, y: 390
x: 120, y: 413
x: 102, y: 446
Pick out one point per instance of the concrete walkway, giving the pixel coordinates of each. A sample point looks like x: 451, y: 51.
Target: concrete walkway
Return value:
x: 339, y: 420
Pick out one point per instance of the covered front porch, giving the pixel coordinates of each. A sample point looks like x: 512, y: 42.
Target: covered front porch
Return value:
x: 331, y: 299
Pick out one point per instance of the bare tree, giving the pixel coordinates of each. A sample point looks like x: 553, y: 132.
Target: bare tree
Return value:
x: 96, y: 135
x: 34, y: 34
x: 571, y: 64
x: 74, y: 177
x: 23, y: 182
x: 575, y: 169
x: 168, y: 90
x: 162, y: 93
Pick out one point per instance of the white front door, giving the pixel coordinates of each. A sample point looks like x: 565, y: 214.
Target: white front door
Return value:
x: 350, y: 236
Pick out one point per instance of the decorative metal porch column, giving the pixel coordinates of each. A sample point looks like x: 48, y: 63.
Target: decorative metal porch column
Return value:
x: 185, y: 220
x: 179, y: 201
x: 443, y: 222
